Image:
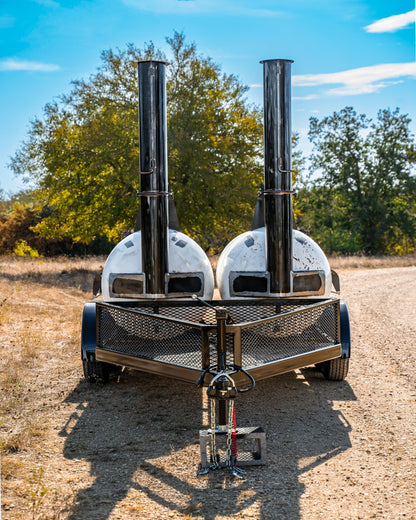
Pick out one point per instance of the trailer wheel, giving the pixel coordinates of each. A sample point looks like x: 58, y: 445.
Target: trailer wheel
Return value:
x: 96, y: 371
x: 335, y: 369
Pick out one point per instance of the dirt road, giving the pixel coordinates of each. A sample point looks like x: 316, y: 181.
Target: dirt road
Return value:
x: 129, y: 450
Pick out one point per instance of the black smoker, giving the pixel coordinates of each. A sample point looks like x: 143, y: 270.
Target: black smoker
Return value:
x: 274, y: 211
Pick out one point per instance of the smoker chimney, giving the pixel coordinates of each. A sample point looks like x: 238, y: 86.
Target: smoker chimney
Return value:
x: 154, y: 175
x: 277, y: 174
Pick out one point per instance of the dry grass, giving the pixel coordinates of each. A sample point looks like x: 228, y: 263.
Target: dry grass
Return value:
x: 20, y: 351
x: 57, y: 272
x: 79, y: 272
x: 40, y: 306
x: 371, y: 262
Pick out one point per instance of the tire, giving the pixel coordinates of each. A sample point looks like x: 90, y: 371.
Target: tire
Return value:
x: 96, y: 371
x: 335, y: 369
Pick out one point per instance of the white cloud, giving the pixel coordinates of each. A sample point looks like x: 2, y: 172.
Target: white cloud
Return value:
x: 305, y: 98
x: 392, y: 23
x: 364, y: 80
x: 10, y: 64
x: 234, y: 7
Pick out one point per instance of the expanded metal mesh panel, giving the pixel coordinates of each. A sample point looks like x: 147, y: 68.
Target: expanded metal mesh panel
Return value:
x: 239, y: 311
x: 248, y: 447
x: 270, y: 330
x: 250, y: 312
x: 290, y: 335
x: 146, y: 337
x: 196, y: 314
x: 247, y: 450
x: 193, y: 313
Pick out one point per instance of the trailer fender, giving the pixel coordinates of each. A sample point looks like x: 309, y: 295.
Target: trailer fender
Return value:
x: 88, y: 332
x: 345, y: 330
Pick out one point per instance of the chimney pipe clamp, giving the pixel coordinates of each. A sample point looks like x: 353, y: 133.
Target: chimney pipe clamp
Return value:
x: 279, y: 192
x: 154, y: 193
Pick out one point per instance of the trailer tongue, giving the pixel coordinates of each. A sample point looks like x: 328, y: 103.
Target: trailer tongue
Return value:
x: 156, y: 313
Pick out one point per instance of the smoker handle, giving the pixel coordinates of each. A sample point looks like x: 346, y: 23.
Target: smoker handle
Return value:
x: 280, y: 162
x: 152, y: 165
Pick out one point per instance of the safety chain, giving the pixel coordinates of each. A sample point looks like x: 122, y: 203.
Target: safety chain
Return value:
x: 229, y: 455
x: 213, y: 444
x: 231, y: 431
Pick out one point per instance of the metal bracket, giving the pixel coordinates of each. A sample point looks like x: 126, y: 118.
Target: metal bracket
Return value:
x: 279, y: 192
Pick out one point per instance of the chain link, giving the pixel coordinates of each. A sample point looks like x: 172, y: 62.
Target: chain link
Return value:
x: 227, y: 394
x: 230, y: 463
x: 231, y: 451
x: 213, y: 442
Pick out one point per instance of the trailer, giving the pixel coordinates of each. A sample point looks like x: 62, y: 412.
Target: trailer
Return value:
x: 279, y: 307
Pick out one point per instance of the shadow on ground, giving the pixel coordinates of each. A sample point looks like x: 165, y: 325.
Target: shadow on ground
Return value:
x: 124, y: 427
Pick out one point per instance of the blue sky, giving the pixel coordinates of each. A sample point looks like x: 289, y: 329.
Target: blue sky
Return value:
x: 359, y: 53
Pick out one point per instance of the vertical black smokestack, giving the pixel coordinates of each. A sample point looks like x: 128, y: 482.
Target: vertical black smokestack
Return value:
x: 277, y: 174
x: 154, y: 175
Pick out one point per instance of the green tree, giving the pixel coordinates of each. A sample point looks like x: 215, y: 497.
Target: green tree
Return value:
x: 363, y: 198
x: 390, y: 186
x: 83, y: 153
x: 298, y: 166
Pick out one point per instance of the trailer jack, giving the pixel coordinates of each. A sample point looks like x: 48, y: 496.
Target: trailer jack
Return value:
x: 221, y: 392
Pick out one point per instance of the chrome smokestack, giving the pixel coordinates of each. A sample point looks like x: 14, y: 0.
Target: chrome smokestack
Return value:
x: 277, y: 174
x: 154, y: 175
